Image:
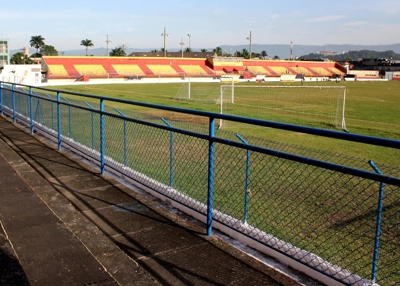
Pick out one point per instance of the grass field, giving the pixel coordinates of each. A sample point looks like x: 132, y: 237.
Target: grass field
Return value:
x: 330, y: 214
x: 372, y: 108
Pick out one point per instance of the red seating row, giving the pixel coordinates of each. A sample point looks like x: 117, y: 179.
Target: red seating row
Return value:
x: 103, y: 67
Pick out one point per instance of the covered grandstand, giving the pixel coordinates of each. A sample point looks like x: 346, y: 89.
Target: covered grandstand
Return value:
x: 79, y: 68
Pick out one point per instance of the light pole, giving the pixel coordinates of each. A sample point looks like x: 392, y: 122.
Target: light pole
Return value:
x: 165, y: 36
x: 182, y: 43
x: 189, y: 40
x: 249, y: 38
x: 108, y: 41
x: 23, y: 55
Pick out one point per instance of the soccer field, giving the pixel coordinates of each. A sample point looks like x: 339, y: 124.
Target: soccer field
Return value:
x: 371, y: 108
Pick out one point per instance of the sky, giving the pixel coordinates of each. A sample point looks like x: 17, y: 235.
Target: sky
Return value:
x: 211, y: 23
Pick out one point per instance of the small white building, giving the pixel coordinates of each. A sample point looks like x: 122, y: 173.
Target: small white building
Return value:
x: 25, y: 74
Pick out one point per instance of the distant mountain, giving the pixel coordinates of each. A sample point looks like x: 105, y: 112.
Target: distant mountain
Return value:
x: 354, y: 56
x: 282, y: 51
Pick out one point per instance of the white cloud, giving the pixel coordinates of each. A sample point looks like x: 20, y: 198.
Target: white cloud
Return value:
x: 354, y: 24
x: 326, y: 18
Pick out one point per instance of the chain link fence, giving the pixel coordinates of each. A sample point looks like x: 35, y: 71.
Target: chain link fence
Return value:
x: 325, y: 210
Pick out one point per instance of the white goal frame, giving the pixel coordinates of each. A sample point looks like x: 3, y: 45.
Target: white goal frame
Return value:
x: 233, y: 87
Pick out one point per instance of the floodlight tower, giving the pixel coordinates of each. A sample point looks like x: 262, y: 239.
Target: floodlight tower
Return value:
x: 291, y: 50
x: 189, y: 35
x: 165, y: 36
x: 108, y: 41
x: 182, y: 43
x: 249, y: 38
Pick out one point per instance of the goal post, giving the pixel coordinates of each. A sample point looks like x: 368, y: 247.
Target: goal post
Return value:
x: 313, y: 106
x: 205, y: 92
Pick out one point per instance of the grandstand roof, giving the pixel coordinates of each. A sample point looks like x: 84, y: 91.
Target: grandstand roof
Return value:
x: 173, y: 54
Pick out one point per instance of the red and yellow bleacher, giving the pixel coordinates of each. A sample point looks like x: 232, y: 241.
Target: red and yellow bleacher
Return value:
x: 276, y: 68
x: 65, y: 67
x: 103, y: 67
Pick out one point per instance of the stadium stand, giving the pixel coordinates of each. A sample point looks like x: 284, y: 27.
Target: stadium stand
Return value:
x: 302, y: 70
x: 126, y: 67
x: 128, y: 70
x: 163, y: 69
x: 194, y: 70
x: 335, y: 71
x: 319, y: 71
x: 58, y: 71
x: 256, y: 70
x: 91, y: 70
x: 279, y: 70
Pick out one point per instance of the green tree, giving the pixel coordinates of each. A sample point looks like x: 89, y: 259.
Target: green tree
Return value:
x: 37, y: 42
x: 20, y: 59
x: 118, y: 52
x: 276, y: 57
x: 264, y: 54
x: 87, y: 43
x: 218, y: 51
x: 154, y: 51
x: 48, y: 50
x: 203, y: 50
x: 188, y: 50
x: 245, y: 54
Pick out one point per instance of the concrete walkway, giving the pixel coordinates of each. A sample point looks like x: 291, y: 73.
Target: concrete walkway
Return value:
x: 63, y: 223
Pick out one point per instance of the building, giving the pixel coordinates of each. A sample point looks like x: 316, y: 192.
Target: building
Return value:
x: 173, y: 54
x: 4, y: 53
x: 326, y: 53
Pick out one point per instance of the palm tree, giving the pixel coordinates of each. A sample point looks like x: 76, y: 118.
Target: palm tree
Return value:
x: 87, y: 43
x: 188, y: 50
x: 154, y: 51
x: 276, y: 57
x: 264, y: 54
x: 218, y: 51
x: 37, y: 42
x: 117, y: 52
x: 203, y: 50
x: 245, y: 54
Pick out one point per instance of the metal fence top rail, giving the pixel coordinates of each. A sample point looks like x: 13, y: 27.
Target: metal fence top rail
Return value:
x: 289, y: 86
x: 384, y: 142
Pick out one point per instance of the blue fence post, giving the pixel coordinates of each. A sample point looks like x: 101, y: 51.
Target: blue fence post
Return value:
x: 171, y: 154
x: 39, y: 113
x: 125, y: 139
x: 52, y: 109
x: 18, y: 99
x: 378, y: 223
x: 247, y: 190
x: 58, y: 120
x: 211, y: 146
x: 69, y: 118
x: 1, y: 97
x: 31, y: 110
x: 92, y: 124
x: 13, y: 103
x: 102, y: 164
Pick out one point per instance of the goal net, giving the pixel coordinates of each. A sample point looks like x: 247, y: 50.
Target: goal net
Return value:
x: 313, y: 106
x: 206, y: 92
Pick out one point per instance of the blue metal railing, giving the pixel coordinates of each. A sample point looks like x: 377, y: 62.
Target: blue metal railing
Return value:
x: 218, y: 168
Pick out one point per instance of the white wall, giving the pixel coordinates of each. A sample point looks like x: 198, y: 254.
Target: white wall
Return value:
x: 25, y: 74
